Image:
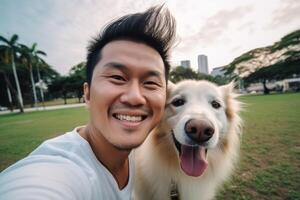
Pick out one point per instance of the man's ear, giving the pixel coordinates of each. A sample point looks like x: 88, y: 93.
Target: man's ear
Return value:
x: 170, y: 88
x: 170, y: 85
x: 86, y: 93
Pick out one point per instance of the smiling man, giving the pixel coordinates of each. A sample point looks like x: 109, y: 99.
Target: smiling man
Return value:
x: 125, y: 92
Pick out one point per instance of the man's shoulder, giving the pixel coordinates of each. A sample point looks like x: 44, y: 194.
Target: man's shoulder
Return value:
x: 47, y: 174
x: 58, y: 159
x: 64, y: 145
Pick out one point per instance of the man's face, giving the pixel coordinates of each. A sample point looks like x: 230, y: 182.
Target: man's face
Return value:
x: 127, y: 95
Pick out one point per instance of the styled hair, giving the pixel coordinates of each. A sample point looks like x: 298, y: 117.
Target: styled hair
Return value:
x: 155, y: 27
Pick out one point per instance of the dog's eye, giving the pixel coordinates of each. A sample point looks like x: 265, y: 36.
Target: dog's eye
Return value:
x: 215, y: 104
x: 178, y: 102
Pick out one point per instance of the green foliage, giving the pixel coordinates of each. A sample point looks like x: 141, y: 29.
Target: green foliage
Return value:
x: 280, y: 69
x: 76, y: 79
x: 26, y: 59
x: 181, y: 73
x: 71, y: 85
x: 290, y: 39
x: 277, y: 71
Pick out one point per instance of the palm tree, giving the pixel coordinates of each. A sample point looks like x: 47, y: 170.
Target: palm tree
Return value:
x: 32, y: 58
x: 39, y: 62
x: 12, y: 48
x: 4, y: 68
x: 27, y: 57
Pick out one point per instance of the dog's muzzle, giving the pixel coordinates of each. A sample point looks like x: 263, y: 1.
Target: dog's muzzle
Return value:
x: 193, y: 156
x: 199, y: 130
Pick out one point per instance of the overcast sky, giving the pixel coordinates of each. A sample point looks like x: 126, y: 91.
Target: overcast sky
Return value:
x: 220, y: 29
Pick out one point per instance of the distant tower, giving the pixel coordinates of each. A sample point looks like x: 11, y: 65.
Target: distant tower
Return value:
x: 202, y: 64
x: 185, y: 63
x: 218, y: 71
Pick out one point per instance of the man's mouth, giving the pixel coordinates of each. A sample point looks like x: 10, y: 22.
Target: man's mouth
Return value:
x: 193, y: 159
x: 129, y: 118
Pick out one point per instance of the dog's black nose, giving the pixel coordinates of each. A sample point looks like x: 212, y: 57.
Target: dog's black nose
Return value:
x: 199, y: 130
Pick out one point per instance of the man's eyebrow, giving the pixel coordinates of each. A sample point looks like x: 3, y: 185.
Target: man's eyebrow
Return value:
x: 115, y: 65
x: 123, y: 67
x: 154, y: 73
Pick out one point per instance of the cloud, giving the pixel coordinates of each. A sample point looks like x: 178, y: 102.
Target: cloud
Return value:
x: 248, y: 26
x: 288, y: 11
x: 74, y: 23
x: 215, y: 27
x: 236, y: 48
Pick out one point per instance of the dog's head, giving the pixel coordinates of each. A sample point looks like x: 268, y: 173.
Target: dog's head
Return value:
x: 198, y: 115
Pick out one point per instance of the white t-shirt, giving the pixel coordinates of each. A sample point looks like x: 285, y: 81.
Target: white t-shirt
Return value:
x: 63, y: 168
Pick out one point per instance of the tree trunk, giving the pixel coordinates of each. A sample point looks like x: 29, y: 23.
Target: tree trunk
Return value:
x: 33, y: 85
x: 65, y: 97
x: 11, y: 108
x: 266, y: 89
x: 41, y: 89
x: 20, y: 99
x: 8, y: 86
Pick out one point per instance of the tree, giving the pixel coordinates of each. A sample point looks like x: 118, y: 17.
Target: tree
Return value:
x: 76, y: 79
x: 65, y: 86
x: 27, y: 58
x: 39, y: 62
x: 11, y: 47
x: 59, y: 87
x: 275, y: 62
x: 181, y: 73
x: 4, y: 70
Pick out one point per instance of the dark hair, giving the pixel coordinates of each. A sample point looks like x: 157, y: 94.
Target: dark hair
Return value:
x: 155, y: 27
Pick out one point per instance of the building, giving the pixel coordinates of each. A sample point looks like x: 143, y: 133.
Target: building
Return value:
x: 185, y: 63
x: 218, y: 71
x: 202, y: 64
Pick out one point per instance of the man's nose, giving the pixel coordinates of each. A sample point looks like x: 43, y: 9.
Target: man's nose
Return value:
x: 133, y: 95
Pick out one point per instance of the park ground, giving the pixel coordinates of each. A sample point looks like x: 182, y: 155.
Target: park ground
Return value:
x: 269, y: 166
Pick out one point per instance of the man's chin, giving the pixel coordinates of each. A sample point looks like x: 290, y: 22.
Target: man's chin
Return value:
x: 126, y: 147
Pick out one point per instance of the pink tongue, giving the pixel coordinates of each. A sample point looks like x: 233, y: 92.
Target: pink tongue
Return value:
x: 193, y: 161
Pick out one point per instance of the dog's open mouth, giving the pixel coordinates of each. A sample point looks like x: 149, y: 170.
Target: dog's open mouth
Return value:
x: 193, y: 159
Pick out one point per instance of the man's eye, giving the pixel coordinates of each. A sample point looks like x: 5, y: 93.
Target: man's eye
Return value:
x: 178, y: 102
x: 151, y: 83
x: 215, y: 104
x: 117, y: 77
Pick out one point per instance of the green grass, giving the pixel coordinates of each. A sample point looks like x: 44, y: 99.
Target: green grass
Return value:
x: 269, y: 166
x: 55, y: 102
x: 21, y: 133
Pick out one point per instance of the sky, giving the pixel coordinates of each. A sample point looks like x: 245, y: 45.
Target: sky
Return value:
x: 221, y: 30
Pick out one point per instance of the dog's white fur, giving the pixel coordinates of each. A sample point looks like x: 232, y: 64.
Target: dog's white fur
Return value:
x: 157, y: 160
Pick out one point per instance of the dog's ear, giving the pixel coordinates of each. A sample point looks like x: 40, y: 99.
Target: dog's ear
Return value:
x: 228, y: 89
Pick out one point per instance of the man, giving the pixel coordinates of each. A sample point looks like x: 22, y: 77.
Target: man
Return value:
x: 125, y: 92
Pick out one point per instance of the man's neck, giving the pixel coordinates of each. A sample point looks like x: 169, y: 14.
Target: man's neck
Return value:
x: 115, y: 160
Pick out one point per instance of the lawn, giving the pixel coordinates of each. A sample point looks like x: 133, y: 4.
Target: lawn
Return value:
x: 55, y: 102
x: 269, y: 166
x: 21, y: 133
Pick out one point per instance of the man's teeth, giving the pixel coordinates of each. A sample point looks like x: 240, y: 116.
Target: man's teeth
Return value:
x: 129, y: 118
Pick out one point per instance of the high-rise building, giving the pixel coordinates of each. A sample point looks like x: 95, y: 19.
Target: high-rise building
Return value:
x: 218, y: 71
x: 185, y: 63
x: 202, y: 64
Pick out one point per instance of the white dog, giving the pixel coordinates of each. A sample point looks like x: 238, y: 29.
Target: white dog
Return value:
x: 194, y: 148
